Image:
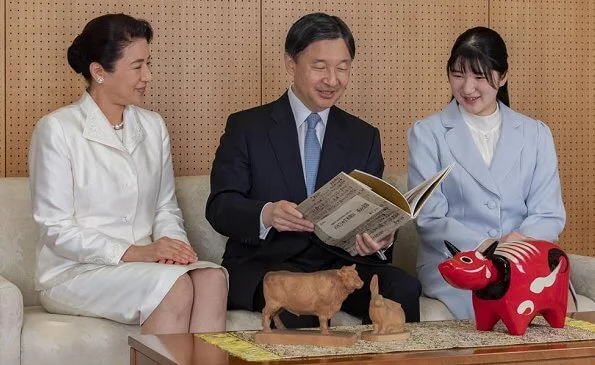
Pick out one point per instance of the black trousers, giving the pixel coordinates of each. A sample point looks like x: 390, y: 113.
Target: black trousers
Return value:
x: 394, y: 284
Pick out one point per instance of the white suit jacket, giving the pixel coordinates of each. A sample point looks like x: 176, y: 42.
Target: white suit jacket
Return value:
x: 93, y: 194
x: 520, y: 191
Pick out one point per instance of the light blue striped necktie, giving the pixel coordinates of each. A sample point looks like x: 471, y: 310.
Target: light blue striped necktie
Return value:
x: 311, y: 152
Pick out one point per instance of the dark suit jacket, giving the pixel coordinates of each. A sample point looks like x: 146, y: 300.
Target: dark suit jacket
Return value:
x: 258, y: 161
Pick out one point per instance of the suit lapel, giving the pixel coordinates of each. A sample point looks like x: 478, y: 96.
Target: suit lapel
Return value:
x: 284, y: 140
x: 509, y: 146
x: 133, y: 132
x: 463, y: 147
x: 334, y: 148
x: 96, y: 126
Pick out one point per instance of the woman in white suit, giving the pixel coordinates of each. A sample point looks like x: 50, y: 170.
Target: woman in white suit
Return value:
x: 505, y: 184
x: 112, y: 240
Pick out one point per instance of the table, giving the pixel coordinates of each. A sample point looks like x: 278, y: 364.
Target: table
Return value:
x: 187, y: 349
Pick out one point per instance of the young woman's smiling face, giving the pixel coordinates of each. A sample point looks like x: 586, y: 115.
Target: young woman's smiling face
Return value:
x: 473, y: 91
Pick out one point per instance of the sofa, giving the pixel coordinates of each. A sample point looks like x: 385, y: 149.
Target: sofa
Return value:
x: 30, y: 335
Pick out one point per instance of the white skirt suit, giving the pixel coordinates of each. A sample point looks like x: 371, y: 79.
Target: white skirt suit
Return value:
x: 93, y: 196
x: 519, y: 191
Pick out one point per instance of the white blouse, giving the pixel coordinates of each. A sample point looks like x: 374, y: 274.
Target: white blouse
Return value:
x: 485, y: 131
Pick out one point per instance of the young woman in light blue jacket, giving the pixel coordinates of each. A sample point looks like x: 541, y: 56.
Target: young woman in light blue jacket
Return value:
x: 505, y: 184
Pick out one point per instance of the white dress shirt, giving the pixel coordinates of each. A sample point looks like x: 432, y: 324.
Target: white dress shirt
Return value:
x: 485, y: 131
x: 300, y: 113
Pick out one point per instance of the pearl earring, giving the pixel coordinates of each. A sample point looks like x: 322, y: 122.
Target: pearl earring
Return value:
x: 100, y: 80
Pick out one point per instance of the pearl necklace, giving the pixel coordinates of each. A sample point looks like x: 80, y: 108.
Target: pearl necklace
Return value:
x: 119, y: 126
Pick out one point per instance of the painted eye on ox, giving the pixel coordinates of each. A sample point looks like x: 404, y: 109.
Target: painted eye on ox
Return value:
x: 466, y: 259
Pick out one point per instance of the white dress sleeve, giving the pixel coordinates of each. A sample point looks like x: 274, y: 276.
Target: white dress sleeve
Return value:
x: 168, y: 216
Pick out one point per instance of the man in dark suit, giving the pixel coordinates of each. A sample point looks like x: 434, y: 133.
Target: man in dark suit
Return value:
x: 274, y: 156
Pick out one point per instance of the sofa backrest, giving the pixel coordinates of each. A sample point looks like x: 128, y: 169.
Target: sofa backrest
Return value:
x: 19, y: 234
x: 407, y: 241
x: 192, y: 193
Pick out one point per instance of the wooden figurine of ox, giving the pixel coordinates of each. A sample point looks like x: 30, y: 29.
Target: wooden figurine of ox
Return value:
x: 319, y: 293
x: 512, y: 281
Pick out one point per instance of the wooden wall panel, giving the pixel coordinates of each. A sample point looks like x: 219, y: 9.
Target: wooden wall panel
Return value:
x: 213, y: 57
x: 552, y: 77
x: 2, y: 96
x: 401, y: 51
x: 205, y: 57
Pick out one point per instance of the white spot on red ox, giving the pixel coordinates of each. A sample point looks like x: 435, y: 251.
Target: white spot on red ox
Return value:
x: 539, y: 284
x: 526, y: 307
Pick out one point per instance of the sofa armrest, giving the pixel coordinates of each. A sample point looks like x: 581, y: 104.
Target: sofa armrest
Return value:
x: 11, y: 322
x: 582, y: 272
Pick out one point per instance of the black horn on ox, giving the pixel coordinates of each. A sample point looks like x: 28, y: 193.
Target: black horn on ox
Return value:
x: 489, y: 252
x: 451, y: 248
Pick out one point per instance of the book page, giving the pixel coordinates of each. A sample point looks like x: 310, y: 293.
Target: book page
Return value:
x: 347, y: 217
x: 325, y: 200
x: 344, y: 207
x: 382, y: 188
x: 411, y: 194
x: 419, y: 194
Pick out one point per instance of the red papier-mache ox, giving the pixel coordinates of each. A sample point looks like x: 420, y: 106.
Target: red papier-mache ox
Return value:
x: 512, y: 281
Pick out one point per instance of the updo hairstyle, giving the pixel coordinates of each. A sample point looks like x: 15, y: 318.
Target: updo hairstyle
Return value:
x: 103, y: 39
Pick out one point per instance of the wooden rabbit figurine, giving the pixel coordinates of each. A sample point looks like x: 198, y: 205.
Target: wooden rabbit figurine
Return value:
x: 388, y: 318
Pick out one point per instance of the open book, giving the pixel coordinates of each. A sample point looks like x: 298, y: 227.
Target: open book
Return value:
x: 359, y: 202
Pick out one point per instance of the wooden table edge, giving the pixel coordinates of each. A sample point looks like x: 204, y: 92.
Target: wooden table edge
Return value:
x: 136, y: 345
x: 535, y: 352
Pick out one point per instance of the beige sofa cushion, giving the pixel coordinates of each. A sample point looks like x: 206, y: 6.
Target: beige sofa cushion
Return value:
x: 192, y: 193
x: 53, y: 339
x: 11, y: 318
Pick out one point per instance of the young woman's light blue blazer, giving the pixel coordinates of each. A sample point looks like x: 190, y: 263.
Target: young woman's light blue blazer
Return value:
x: 520, y: 191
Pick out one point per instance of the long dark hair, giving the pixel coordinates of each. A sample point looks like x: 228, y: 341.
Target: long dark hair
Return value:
x: 103, y: 39
x: 483, y: 50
